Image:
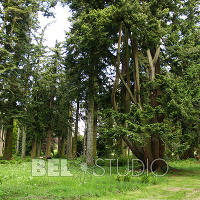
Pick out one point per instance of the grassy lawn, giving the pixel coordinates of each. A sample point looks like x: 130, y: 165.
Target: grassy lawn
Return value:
x: 183, y: 183
x: 16, y: 183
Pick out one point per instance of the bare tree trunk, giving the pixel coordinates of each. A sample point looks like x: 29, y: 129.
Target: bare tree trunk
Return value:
x: 69, y: 136
x: 90, y: 133
x: 1, y: 141
x: 23, y: 143
x: 18, y: 137
x: 7, y: 154
x: 76, y: 131
x: 95, y: 130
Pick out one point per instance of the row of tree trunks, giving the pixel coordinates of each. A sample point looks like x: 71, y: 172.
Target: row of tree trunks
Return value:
x: 66, y: 143
x: 67, y: 146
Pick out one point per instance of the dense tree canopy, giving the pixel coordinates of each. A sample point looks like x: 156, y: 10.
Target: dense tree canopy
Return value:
x: 129, y: 69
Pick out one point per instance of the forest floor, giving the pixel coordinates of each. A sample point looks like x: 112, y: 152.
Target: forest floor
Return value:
x: 17, y: 183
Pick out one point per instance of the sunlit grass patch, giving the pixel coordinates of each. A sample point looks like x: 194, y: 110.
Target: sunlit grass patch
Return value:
x: 16, y: 183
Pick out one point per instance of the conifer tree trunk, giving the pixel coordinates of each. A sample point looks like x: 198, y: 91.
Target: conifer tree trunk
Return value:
x: 18, y: 137
x: 155, y: 146
x: 76, y: 131
x: 95, y: 130
x: 1, y: 140
x: 50, y: 132
x: 23, y: 143
x: 7, y: 154
x: 90, y: 132
x: 48, y: 142
x: 69, y: 136
x: 25, y: 110
x: 124, y: 105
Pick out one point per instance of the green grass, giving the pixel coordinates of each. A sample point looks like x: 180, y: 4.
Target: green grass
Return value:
x: 182, y: 183
x: 16, y: 183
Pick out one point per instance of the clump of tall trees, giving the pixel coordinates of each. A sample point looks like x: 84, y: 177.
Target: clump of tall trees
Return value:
x: 132, y: 51
x: 131, y: 67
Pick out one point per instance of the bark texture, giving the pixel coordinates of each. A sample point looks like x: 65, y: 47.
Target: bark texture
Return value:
x: 90, y: 131
x: 23, y: 143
